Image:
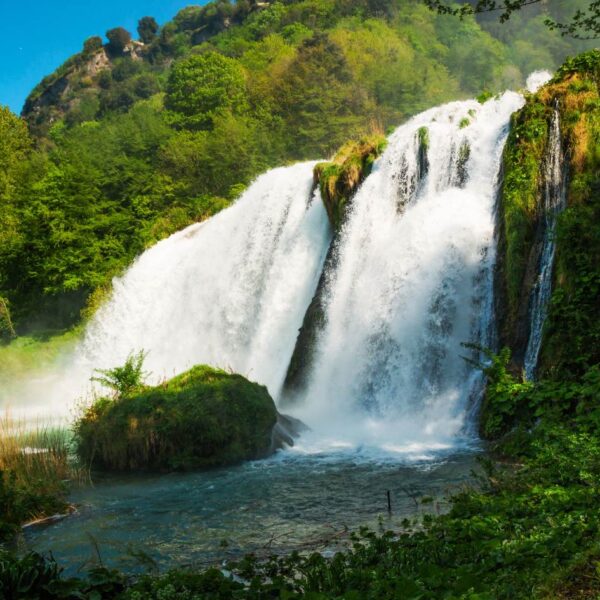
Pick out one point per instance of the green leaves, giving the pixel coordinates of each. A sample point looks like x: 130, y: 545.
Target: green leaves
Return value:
x: 126, y: 379
x: 201, y: 87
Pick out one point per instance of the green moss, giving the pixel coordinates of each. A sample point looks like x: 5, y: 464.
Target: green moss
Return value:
x: 572, y: 332
x: 484, y: 96
x: 339, y: 179
x: 202, y: 418
x: 423, y: 135
x: 465, y: 122
x: 520, y: 193
x: 464, y: 153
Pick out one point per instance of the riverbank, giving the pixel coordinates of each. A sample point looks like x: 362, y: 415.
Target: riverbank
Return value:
x: 530, y: 531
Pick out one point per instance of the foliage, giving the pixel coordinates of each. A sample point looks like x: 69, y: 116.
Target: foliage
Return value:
x: 511, y: 401
x: 201, y: 86
x: 530, y: 531
x: 92, y: 45
x: 572, y: 332
x: 118, y: 165
x: 34, y: 468
x: 201, y: 418
x: 7, y: 329
x: 185, y: 585
x: 147, y: 29
x: 522, y: 162
x: 584, y: 23
x: 34, y: 575
x: 118, y: 38
x: 126, y: 379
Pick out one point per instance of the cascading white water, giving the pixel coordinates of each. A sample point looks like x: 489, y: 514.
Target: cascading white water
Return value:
x: 412, y: 282
x: 230, y: 292
x: 554, y: 201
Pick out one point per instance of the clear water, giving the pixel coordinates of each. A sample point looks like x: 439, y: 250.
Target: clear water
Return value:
x: 293, y: 500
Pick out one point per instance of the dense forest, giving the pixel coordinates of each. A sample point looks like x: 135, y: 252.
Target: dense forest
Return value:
x: 131, y: 140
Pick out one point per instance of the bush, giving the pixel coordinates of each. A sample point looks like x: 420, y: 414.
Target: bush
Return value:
x: 202, y: 418
x: 35, y: 576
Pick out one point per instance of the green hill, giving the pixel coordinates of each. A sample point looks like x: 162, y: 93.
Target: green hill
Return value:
x: 130, y: 141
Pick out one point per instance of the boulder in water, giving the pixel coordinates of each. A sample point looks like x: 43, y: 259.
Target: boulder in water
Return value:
x: 202, y: 418
x: 286, y: 430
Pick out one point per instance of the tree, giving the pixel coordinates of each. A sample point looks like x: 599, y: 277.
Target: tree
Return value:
x: 15, y: 151
x: 147, y: 29
x: 584, y: 24
x: 118, y: 38
x: 92, y: 44
x: 200, y: 87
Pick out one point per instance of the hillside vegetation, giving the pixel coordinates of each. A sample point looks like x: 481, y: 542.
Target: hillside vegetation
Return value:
x: 132, y: 140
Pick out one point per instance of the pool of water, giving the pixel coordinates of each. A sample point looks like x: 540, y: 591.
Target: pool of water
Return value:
x: 293, y: 500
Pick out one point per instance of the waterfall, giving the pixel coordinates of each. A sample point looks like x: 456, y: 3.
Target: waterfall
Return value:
x: 554, y: 201
x: 230, y: 292
x: 413, y: 281
x: 410, y: 283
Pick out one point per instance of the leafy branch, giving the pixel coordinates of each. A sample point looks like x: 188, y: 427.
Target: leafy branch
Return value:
x: 584, y: 25
x: 125, y: 379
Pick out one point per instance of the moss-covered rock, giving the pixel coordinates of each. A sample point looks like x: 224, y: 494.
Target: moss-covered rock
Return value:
x: 338, y: 181
x: 340, y: 178
x: 574, y: 93
x: 202, y: 418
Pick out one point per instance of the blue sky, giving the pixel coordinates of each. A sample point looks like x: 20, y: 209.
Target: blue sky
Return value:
x: 36, y: 36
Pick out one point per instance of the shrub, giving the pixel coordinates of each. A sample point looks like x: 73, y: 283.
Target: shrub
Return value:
x: 92, y: 45
x: 126, y: 379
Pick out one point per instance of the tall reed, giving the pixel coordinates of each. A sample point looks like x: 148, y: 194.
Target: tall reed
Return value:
x: 36, y: 466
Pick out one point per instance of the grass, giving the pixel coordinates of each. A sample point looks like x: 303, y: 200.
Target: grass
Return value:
x: 28, y: 355
x: 36, y: 465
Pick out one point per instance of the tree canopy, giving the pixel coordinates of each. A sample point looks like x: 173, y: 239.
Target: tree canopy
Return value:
x: 147, y: 29
x: 584, y: 23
